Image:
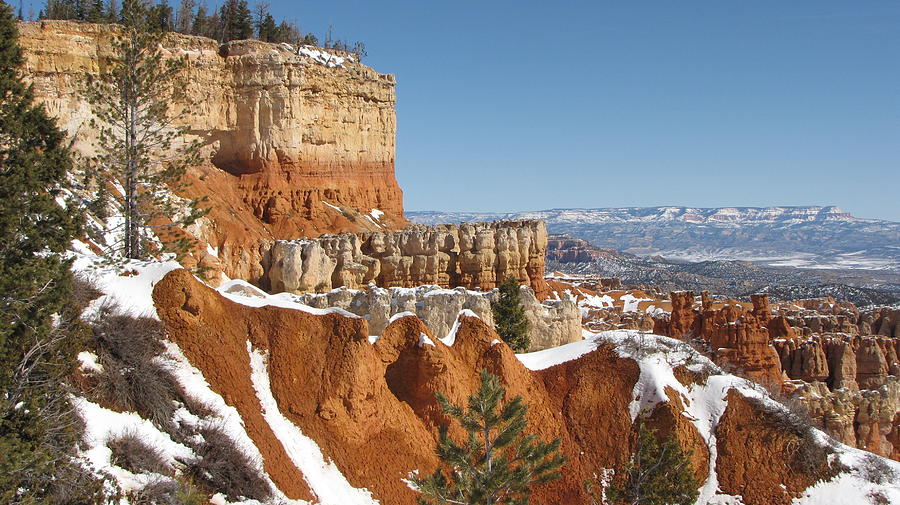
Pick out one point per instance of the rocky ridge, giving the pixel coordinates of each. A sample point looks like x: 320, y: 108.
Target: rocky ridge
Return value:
x: 551, y: 322
x: 809, y: 237
x: 473, y: 256
x: 371, y: 407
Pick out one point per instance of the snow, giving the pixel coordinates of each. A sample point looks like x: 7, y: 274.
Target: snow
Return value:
x: 847, y: 488
x: 631, y: 302
x: 539, y: 360
x: 282, y: 300
x: 399, y: 315
x: 376, y: 214
x: 224, y: 416
x: 600, y: 302
x: 89, y: 362
x: 103, y: 426
x: 335, y: 207
x: 321, y: 57
x: 323, y: 477
x: 450, y: 339
x: 129, y: 286
x: 424, y: 340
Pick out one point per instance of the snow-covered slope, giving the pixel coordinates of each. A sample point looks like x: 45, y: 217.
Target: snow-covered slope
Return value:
x: 656, y: 357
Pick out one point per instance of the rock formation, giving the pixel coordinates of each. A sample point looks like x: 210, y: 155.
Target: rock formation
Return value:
x: 735, y: 335
x: 371, y: 408
x: 551, y: 322
x: 471, y: 255
x: 294, y: 143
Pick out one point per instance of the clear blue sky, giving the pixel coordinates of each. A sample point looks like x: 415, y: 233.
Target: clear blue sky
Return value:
x: 506, y: 106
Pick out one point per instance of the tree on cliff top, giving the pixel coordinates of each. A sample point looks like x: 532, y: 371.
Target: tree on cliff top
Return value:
x: 509, y: 316
x: 497, y: 464
x: 139, y: 145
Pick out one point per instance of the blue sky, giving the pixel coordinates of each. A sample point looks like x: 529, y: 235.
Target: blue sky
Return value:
x: 506, y: 106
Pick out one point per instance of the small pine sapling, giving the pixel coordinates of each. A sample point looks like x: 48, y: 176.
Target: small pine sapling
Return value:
x: 658, y: 473
x: 497, y: 463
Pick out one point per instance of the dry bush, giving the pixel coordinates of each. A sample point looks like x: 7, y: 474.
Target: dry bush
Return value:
x: 878, y: 498
x: 165, y: 491
x: 74, y: 485
x: 224, y: 468
x: 84, y: 291
x: 876, y: 470
x: 131, y: 452
x: 131, y: 378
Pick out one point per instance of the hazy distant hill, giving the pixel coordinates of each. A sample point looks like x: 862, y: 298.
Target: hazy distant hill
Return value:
x: 806, y: 237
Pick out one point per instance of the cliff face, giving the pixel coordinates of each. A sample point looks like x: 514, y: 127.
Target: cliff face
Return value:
x: 294, y: 144
x: 551, y: 323
x: 471, y: 255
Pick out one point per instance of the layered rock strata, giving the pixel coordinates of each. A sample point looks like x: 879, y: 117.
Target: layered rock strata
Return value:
x: 471, y: 255
x: 551, y: 323
x: 296, y: 141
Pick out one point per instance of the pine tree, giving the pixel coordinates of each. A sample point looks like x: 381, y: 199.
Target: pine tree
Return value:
x: 184, y: 16
x: 509, y: 316
x: 235, y: 20
x: 267, y: 30
x: 497, y: 464
x: 139, y: 145
x: 657, y: 474
x: 35, y: 282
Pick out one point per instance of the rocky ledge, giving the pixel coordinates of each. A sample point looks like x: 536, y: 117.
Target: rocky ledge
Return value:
x: 472, y: 255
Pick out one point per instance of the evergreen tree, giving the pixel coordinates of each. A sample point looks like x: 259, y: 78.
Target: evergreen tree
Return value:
x: 509, y: 316
x: 657, y: 474
x: 139, y: 145
x: 235, y: 20
x: 35, y: 355
x: 497, y: 464
x: 160, y: 17
x: 96, y: 12
x: 184, y: 17
x: 267, y: 30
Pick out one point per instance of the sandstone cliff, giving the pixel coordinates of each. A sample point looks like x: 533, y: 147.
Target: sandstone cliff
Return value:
x: 295, y: 143
x: 471, y: 255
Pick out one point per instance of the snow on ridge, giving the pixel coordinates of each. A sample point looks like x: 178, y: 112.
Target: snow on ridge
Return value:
x: 450, y: 339
x: 282, y: 300
x: 325, y: 480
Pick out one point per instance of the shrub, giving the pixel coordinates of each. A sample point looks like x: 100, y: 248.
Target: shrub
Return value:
x: 224, y: 468
x: 877, y: 470
x: 166, y: 491
x: 132, y: 379
x: 131, y: 452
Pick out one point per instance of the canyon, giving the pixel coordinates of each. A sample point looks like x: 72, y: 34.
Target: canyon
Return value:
x: 328, y: 323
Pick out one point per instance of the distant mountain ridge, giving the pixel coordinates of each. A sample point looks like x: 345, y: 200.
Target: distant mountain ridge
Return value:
x: 801, y: 236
